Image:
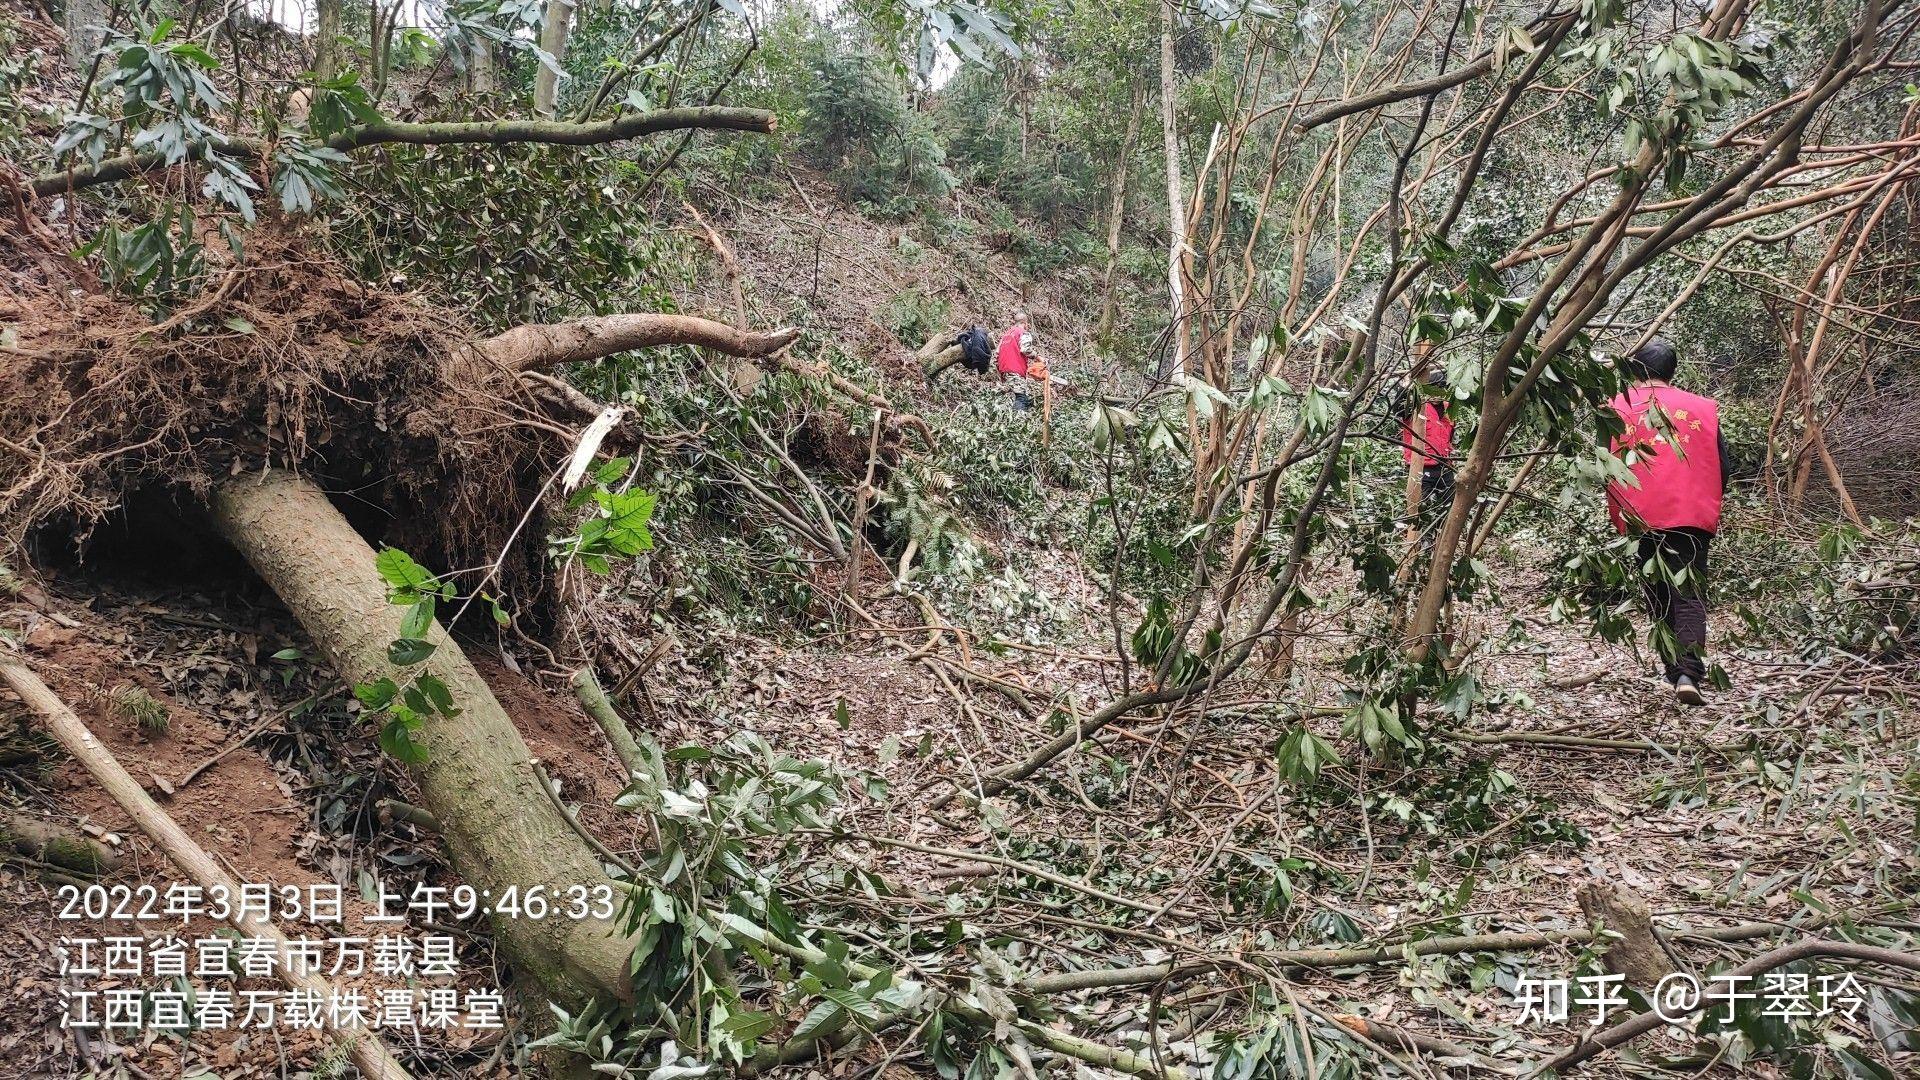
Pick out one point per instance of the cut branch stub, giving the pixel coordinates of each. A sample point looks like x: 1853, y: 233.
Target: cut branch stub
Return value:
x: 501, y: 830
x: 1637, y: 953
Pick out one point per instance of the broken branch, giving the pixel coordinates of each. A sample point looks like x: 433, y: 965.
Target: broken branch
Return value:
x: 498, y: 133
x: 367, y: 1052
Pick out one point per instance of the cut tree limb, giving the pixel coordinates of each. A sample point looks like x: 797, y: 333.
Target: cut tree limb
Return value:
x: 541, y: 346
x: 1765, y: 962
x: 598, y: 706
x: 367, y: 1052
x: 497, y: 133
x: 478, y: 780
x: 1391, y: 953
x: 65, y: 849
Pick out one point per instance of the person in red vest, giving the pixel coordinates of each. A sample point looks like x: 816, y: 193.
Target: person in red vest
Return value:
x: 1018, y: 356
x: 1433, y: 446
x: 1673, y: 445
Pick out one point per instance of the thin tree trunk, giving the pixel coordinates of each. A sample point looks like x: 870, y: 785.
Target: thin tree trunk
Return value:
x: 480, y: 70
x: 501, y: 829
x: 1117, y: 207
x: 85, y: 23
x: 1176, y: 203
x: 326, y: 39
x: 553, y: 42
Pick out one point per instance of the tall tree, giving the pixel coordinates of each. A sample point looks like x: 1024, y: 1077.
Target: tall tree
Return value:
x: 553, y: 42
x: 1117, y: 207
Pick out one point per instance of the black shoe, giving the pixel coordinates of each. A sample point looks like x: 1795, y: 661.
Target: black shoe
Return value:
x: 1686, y: 693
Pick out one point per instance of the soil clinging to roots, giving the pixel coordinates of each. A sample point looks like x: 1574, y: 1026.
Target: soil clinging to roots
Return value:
x: 284, y: 360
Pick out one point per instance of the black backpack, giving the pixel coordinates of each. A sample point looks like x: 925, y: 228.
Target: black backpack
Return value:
x: 976, y: 349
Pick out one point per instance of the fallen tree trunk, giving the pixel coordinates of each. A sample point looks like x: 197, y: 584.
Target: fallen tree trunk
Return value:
x: 368, y: 1053
x: 938, y: 362
x: 63, y: 849
x: 542, y: 346
x: 1629, y: 1030
x: 501, y: 831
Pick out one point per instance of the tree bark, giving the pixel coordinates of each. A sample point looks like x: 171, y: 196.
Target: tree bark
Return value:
x: 498, y: 133
x: 939, y: 362
x: 501, y: 830
x: 1117, y: 207
x: 612, y: 724
x: 480, y: 69
x: 1638, y: 953
x: 541, y: 346
x: 326, y: 39
x: 366, y: 1051
x: 1176, y: 202
x: 553, y: 42
x: 85, y: 24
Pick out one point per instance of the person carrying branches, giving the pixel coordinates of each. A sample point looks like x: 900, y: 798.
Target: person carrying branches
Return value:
x: 1673, y: 446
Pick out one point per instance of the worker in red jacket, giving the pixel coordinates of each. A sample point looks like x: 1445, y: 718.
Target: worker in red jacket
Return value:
x: 1672, y: 444
x: 1017, y: 358
x: 1433, y: 445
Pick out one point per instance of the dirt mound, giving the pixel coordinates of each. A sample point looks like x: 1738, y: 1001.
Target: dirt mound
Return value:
x: 283, y: 360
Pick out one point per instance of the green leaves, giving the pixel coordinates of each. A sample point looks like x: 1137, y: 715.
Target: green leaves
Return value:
x: 628, y: 513
x: 620, y: 529
x: 1377, y: 726
x: 378, y: 694
x: 1302, y: 754
x: 402, y: 708
x: 406, y: 580
x: 339, y: 103
x: 408, y: 651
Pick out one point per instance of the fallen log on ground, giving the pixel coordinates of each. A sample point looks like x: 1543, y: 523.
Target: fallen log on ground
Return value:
x: 478, y: 780
x: 63, y: 849
x: 1801, y: 950
x: 1390, y: 953
x: 543, y: 346
x: 367, y: 1052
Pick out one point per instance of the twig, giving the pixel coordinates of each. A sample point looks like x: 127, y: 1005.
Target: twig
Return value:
x: 244, y: 738
x: 605, y: 852
x: 993, y: 860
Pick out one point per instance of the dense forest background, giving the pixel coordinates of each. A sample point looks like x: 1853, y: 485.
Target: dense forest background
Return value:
x: 502, y: 443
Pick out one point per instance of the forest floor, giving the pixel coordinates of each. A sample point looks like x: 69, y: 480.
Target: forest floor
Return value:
x: 1782, y: 793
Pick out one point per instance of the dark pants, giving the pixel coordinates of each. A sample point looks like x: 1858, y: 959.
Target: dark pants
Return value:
x: 1681, y: 607
x: 1436, y: 489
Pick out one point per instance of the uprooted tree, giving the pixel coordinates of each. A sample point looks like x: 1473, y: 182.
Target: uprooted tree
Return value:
x: 300, y: 416
x: 285, y: 379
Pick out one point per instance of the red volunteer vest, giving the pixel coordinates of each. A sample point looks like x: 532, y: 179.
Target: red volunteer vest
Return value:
x: 1437, y: 446
x: 1676, y: 458
x: 1012, y: 360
